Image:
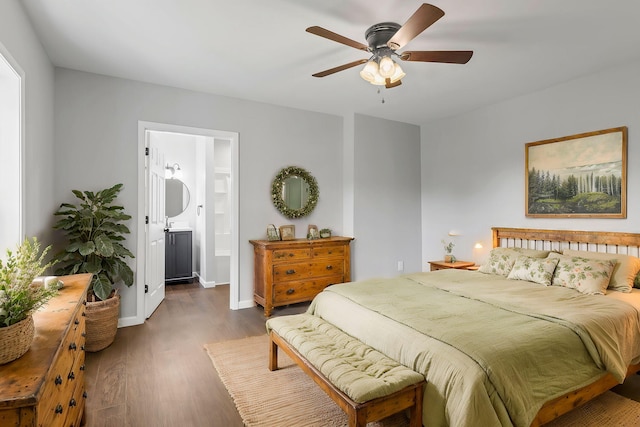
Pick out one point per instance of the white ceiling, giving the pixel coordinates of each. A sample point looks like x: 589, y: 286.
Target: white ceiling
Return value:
x: 259, y: 50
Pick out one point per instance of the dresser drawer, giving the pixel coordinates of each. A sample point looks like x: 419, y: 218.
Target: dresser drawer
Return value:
x: 288, y: 255
x: 292, y: 292
x: 298, y: 271
x: 64, y: 377
x: 328, y: 251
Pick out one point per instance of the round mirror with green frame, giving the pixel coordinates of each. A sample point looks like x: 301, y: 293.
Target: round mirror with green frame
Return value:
x: 294, y: 192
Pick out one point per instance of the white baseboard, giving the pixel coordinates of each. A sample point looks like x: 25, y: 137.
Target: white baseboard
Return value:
x: 246, y: 304
x: 129, y: 321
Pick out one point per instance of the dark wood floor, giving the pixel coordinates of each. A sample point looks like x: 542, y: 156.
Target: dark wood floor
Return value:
x: 159, y: 375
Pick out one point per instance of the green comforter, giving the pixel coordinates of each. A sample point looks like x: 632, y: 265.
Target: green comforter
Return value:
x: 493, y: 350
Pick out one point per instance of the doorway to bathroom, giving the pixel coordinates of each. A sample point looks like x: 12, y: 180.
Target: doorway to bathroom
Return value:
x: 192, y: 208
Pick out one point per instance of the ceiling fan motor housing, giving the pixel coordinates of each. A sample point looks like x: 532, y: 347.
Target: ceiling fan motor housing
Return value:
x: 379, y: 34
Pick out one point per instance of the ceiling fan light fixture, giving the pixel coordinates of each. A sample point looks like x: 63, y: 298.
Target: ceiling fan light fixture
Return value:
x: 398, y: 74
x: 379, y: 80
x: 370, y: 71
x: 386, y: 67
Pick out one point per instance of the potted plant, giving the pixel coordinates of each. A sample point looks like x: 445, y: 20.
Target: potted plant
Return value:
x: 20, y: 297
x: 448, y: 248
x: 95, y: 229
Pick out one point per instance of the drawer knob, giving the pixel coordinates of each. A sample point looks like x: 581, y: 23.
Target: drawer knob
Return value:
x: 290, y: 291
x: 58, y: 380
x: 82, y: 367
x: 76, y: 322
x: 72, y: 403
x: 292, y: 271
x: 59, y: 409
x: 329, y: 267
x: 84, y: 394
x: 71, y: 376
x: 82, y: 347
x: 72, y: 346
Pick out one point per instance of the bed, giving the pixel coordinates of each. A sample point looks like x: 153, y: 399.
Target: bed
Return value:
x: 499, y: 350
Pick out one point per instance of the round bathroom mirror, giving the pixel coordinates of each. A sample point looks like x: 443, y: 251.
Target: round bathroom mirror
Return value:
x: 176, y: 197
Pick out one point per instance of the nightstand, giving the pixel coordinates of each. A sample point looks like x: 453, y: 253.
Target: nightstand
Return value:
x: 441, y: 265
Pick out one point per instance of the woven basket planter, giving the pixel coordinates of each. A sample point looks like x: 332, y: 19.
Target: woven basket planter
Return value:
x: 101, y: 323
x: 16, y: 339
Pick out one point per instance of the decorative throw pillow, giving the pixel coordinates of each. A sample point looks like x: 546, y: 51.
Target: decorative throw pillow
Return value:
x: 624, y: 273
x: 501, y: 260
x: 589, y: 276
x: 537, y: 270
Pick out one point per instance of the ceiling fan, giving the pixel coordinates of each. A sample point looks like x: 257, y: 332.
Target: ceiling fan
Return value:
x: 384, y: 40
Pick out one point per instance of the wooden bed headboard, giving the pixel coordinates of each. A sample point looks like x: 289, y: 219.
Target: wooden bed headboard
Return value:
x: 557, y: 240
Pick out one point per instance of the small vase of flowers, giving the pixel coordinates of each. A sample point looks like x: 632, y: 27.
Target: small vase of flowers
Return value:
x: 20, y: 297
x: 448, y: 248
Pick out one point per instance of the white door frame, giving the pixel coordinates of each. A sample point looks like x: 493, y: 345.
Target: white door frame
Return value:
x: 143, y: 126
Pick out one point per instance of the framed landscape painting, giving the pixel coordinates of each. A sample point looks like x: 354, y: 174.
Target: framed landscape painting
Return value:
x: 578, y: 176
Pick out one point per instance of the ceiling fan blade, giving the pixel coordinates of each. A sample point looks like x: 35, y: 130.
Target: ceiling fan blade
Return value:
x: 389, y: 85
x: 447, y: 56
x: 422, y: 19
x: 319, y: 31
x: 340, y: 68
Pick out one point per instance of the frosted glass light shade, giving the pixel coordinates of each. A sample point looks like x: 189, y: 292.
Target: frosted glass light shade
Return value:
x: 386, y: 67
x: 397, y: 73
x: 369, y: 71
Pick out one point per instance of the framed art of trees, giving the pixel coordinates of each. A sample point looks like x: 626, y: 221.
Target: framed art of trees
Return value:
x: 576, y: 176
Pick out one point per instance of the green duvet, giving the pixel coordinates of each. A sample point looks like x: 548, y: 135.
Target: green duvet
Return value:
x: 493, y: 350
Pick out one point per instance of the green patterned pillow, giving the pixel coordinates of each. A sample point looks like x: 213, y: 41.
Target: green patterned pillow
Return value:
x: 589, y: 276
x: 537, y: 270
x: 624, y: 273
x: 501, y: 260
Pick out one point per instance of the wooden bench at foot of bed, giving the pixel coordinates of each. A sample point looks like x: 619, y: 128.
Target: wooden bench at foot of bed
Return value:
x: 365, y: 384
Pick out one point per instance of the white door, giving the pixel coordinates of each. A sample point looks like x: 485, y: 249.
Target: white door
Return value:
x: 154, y: 274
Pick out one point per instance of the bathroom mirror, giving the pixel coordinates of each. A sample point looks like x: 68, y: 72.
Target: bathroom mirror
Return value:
x: 294, y: 192
x: 176, y: 197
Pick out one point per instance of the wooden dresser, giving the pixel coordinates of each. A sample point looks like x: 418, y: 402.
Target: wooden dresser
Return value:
x: 292, y: 271
x: 45, y: 387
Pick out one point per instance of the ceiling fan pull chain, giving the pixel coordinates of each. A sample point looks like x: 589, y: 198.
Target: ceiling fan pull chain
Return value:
x: 382, y: 95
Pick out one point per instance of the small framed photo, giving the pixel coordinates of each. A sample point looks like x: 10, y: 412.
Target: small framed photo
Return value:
x: 288, y: 232
x: 312, y: 232
x: 272, y: 233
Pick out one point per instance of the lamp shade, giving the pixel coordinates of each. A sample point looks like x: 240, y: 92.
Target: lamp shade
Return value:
x: 369, y: 71
x: 397, y: 73
x: 386, y: 67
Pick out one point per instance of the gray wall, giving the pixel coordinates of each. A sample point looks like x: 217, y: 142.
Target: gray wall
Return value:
x: 473, y: 165
x: 96, y: 141
x: 18, y: 38
x: 386, y: 206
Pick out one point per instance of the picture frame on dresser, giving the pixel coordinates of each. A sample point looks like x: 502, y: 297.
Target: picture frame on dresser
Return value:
x: 272, y: 233
x: 577, y: 176
x: 287, y: 232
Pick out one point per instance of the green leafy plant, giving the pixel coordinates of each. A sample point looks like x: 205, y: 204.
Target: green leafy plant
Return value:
x: 94, y: 229
x: 448, y: 247
x: 19, y: 297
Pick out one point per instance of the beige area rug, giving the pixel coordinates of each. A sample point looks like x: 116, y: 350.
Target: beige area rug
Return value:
x: 288, y: 397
